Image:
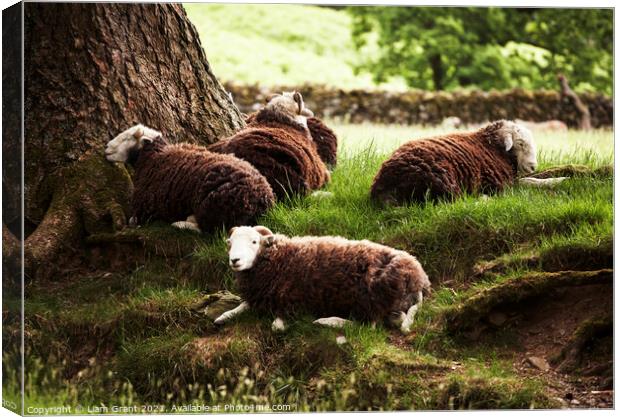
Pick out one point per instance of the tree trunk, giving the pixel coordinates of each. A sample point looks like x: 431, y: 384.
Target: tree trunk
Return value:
x: 91, y: 71
x: 572, y: 97
x: 438, y: 72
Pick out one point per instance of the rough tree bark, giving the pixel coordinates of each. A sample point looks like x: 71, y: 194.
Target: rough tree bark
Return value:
x: 91, y: 71
x: 569, y: 95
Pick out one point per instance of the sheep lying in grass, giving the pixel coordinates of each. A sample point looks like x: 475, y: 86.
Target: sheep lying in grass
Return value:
x: 324, y: 139
x: 277, y: 142
x: 486, y: 160
x: 173, y: 182
x: 324, y: 276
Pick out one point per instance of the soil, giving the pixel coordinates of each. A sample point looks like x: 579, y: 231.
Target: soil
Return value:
x: 547, y: 325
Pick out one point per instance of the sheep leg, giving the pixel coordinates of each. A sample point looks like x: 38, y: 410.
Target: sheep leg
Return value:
x: 405, y: 326
x: 228, y: 315
x: 190, y: 223
x: 278, y: 325
x: 335, y: 322
x: 541, y: 182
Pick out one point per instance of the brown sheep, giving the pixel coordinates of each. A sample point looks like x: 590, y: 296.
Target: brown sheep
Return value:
x: 324, y: 139
x: 277, y: 142
x: 324, y: 276
x: 445, y: 166
x: 173, y: 182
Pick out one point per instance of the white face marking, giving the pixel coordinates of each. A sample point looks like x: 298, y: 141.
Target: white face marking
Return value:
x: 118, y: 149
x: 524, y: 148
x: 285, y: 103
x: 244, y: 245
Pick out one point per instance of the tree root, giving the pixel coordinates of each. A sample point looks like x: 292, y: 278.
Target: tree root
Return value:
x: 570, y: 358
x: 476, y: 310
x: 571, y: 170
x: 565, y: 257
x: 89, y: 196
x: 11, y: 258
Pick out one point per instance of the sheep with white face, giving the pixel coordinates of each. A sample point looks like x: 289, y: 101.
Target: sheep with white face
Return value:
x: 284, y: 276
x: 521, y: 141
x: 131, y: 140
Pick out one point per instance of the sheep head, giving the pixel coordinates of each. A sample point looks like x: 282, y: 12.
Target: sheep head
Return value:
x: 519, y: 141
x: 290, y: 103
x: 131, y: 140
x: 244, y: 245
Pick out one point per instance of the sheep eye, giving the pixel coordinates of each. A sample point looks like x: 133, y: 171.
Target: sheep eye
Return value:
x: 253, y: 242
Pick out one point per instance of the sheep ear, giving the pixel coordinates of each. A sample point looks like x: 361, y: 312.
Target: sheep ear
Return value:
x: 307, y: 112
x: 263, y: 231
x: 231, y: 231
x: 138, y: 133
x: 271, y: 97
x: 508, y: 141
x: 299, y: 100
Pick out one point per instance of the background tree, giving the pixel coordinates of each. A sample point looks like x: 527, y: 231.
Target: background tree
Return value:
x: 443, y: 48
x: 91, y: 71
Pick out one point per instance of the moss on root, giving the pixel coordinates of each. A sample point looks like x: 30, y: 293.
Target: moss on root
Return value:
x: 571, y: 170
x: 90, y: 196
x: 477, y: 307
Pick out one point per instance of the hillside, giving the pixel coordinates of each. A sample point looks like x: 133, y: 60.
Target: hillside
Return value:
x: 253, y: 44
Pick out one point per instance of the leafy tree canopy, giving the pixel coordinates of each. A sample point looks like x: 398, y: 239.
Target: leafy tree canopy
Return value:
x: 444, y: 48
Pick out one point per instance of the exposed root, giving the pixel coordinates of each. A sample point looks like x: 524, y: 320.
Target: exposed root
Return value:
x: 473, y: 312
x: 571, y: 170
x: 572, y: 354
x: 89, y: 196
x: 567, y: 257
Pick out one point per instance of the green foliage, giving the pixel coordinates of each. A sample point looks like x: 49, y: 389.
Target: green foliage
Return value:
x: 448, y: 47
x: 278, y: 44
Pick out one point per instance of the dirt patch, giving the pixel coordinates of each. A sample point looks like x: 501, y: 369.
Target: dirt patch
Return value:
x: 551, y: 320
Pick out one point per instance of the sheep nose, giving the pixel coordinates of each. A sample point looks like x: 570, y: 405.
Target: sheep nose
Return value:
x: 233, y: 261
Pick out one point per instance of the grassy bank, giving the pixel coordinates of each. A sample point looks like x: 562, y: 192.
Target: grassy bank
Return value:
x: 140, y: 335
x: 280, y: 44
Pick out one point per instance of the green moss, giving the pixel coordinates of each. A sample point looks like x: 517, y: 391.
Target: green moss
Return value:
x: 515, y: 290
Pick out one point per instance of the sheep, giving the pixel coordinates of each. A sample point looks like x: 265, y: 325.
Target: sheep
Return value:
x: 277, y: 142
x: 324, y: 276
x: 174, y: 182
x: 324, y: 138
x: 445, y: 166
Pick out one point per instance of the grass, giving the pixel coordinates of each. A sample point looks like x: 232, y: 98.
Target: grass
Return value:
x: 135, y: 336
x: 252, y: 43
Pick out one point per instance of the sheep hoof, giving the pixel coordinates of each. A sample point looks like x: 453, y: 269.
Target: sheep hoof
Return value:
x: 133, y: 222
x: 320, y: 195
x: 278, y: 325
x: 341, y: 340
x: 186, y: 226
x: 335, y: 322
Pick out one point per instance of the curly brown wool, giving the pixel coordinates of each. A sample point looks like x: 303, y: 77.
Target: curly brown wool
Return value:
x: 325, y: 140
x: 446, y: 166
x: 174, y: 181
x: 331, y: 276
x: 281, y: 149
